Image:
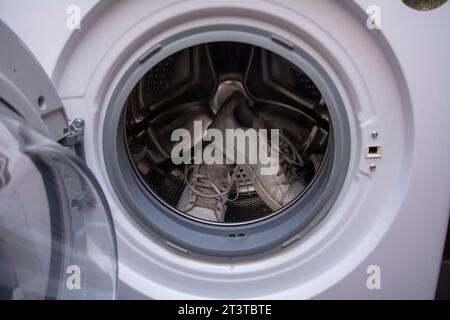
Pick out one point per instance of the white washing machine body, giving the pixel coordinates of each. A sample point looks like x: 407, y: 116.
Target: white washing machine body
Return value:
x: 384, y: 234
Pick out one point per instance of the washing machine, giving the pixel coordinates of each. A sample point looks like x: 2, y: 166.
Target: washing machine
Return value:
x: 93, y: 91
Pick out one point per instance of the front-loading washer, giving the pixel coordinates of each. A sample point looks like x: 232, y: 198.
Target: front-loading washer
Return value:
x: 365, y: 81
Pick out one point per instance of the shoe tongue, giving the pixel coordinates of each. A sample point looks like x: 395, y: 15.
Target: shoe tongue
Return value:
x: 216, y: 182
x: 214, y: 170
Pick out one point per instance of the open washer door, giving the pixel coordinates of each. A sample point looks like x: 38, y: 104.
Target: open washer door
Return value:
x: 57, y: 238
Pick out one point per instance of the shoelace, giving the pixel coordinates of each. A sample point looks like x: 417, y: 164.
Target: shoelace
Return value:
x: 219, y: 190
x: 290, y: 159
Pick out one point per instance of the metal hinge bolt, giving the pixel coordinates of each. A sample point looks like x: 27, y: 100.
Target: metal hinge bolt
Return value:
x: 75, y: 134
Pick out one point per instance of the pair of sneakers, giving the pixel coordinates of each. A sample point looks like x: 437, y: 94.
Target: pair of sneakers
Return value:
x: 207, y: 190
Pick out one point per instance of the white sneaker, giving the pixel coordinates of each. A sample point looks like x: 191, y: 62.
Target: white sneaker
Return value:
x: 276, y: 189
x: 206, y: 193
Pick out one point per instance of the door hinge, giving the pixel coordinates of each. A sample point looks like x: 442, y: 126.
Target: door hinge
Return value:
x: 75, y: 134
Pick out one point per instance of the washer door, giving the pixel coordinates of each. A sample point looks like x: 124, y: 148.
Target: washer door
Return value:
x: 57, y: 238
